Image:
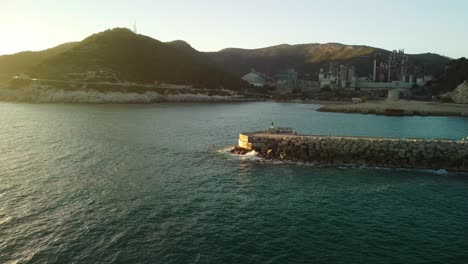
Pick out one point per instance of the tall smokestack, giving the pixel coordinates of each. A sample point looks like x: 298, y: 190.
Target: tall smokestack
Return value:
x: 375, y: 70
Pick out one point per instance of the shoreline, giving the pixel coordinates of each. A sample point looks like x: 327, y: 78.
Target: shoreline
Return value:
x: 169, y: 100
x: 39, y: 94
x: 399, y: 108
x: 316, y: 102
x: 48, y: 95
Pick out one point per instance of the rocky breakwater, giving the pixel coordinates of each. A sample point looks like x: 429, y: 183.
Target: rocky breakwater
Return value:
x: 360, y: 151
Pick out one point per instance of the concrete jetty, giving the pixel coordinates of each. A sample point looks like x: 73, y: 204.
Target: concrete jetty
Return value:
x: 361, y: 151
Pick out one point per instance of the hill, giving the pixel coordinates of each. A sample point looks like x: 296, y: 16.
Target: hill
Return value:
x: 309, y: 58
x: 180, y: 44
x: 434, y: 64
x: 455, y: 74
x: 121, y: 55
x: 14, y: 64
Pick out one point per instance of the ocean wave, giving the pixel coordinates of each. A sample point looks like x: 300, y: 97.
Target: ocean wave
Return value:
x: 250, y: 156
x: 5, y: 220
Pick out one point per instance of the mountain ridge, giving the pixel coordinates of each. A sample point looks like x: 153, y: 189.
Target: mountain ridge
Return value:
x: 14, y: 64
x: 310, y: 57
x: 121, y: 55
x: 306, y: 58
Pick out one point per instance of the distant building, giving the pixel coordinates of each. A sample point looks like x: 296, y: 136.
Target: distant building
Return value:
x: 337, y: 76
x: 288, y: 80
x: 255, y: 78
x: 397, y: 68
x: 327, y: 78
x: 284, y: 83
x: 397, y: 94
x: 308, y: 85
x: 397, y: 72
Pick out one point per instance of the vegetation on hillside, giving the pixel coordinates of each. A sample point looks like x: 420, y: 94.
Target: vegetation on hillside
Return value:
x: 121, y: 55
x: 136, y: 58
x: 14, y: 64
x: 455, y: 73
x: 309, y: 58
x: 434, y: 64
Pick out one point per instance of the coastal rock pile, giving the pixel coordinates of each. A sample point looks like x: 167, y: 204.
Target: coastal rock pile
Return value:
x: 395, y: 153
x: 460, y: 94
x: 236, y: 150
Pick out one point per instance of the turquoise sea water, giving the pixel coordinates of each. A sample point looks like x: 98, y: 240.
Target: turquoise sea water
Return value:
x: 155, y: 184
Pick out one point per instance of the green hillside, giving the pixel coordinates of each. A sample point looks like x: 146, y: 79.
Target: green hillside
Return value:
x: 121, y: 55
x: 455, y: 74
x: 127, y: 56
x: 11, y: 65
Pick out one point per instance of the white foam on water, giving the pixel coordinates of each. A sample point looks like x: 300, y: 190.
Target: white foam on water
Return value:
x: 254, y: 156
x: 6, y: 220
x: 250, y: 156
x: 225, y: 150
x: 442, y: 172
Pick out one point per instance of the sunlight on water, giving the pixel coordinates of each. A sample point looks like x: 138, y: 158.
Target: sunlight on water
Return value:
x: 157, y: 183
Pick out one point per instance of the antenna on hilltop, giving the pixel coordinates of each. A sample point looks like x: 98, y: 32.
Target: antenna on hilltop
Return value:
x: 135, y: 27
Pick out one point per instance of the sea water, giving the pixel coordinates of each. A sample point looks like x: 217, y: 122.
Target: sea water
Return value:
x: 156, y: 184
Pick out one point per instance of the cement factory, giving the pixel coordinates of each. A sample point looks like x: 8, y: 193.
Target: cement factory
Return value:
x: 394, y: 72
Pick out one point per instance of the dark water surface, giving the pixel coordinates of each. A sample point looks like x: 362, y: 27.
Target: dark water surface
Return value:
x: 154, y: 184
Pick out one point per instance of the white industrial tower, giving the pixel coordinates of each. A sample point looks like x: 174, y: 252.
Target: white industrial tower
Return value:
x: 135, y: 27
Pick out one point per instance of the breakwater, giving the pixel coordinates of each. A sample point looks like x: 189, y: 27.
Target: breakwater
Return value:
x: 399, y: 108
x: 362, y: 151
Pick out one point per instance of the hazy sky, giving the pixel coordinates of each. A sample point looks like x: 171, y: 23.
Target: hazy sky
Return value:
x: 416, y: 25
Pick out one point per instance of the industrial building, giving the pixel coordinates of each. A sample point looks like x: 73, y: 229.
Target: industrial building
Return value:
x: 287, y: 81
x: 256, y: 79
x: 337, y: 76
x: 394, y: 72
x: 396, y: 68
x: 397, y: 71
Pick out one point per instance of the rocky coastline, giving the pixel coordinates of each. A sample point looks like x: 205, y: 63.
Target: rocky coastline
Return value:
x: 373, y: 152
x: 399, y: 108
